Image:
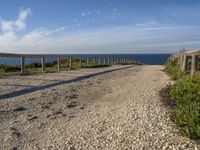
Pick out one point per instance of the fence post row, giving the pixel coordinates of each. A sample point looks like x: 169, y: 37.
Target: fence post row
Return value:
x: 94, y: 60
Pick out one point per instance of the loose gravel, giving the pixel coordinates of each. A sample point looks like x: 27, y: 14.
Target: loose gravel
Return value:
x: 112, y: 111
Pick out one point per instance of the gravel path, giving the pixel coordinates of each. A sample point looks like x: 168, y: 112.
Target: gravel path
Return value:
x: 116, y: 110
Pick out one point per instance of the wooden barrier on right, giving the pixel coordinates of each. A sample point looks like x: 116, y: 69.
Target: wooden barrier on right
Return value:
x: 188, y: 57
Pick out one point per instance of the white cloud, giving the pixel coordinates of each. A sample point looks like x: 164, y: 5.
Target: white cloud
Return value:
x: 19, y: 24
x: 147, y: 37
x: 125, y: 39
x: 7, y: 39
x: 7, y: 25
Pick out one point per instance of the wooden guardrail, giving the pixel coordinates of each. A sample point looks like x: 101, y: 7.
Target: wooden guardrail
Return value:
x: 188, y: 56
x: 88, y: 60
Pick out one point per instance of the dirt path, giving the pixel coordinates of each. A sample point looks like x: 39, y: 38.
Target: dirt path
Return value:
x: 115, y: 110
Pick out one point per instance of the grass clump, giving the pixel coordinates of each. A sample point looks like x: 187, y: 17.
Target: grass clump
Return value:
x: 94, y: 65
x: 172, y: 69
x: 186, y: 94
x: 7, y: 70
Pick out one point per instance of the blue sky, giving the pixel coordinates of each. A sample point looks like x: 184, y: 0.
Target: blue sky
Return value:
x: 99, y: 26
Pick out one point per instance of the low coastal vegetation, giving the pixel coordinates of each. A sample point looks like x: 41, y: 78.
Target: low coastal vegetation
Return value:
x: 185, y: 93
x: 50, y: 67
x: 173, y: 70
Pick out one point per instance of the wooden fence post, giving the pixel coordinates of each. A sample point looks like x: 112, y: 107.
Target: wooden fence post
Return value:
x: 117, y: 60
x: 58, y: 63
x: 80, y: 62
x: 43, y: 64
x: 88, y: 61
x: 181, y: 62
x: 108, y: 61
x: 22, y: 63
x: 70, y: 62
x: 99, y: 61
x: 184, y: 64
x: 104, y: 61
x: 113, y: 61
x: 193, y: 66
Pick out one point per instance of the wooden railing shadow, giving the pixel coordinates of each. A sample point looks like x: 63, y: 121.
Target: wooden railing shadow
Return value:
x: 38, y: 88
x: 16, y: 85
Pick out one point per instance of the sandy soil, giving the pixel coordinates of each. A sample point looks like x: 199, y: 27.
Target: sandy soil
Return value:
x: 106, y: 108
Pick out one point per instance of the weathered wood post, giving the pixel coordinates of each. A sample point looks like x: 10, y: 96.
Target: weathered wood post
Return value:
x: 43, y: 64
x: 108, y: 60
x: 113, y: 61
x: 193, y: 67
x: 117, y: 60
x: 70, y: 62
x: 88, y: 61
x: 58, y: 63
x: 99, y: 61
x: 181, y: 61
x: 184, y: 64
x: 104, y: 61
x: 80, y: 62
x: 22, y: 64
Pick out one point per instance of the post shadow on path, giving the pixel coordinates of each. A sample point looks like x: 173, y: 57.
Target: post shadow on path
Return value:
x: 42, y: 87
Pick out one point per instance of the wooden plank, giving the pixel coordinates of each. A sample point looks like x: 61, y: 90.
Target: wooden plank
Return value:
x: 70, y: 62
x: 22, y: 64
x: 80, y: 62
x: 99, y: 61
x: 34, y: 55
x: 184, y: 64
x: 58, y: 63
x: 104, y: 61
x: 43, y: 63
x: 193, y: 67
x: 88, y: 60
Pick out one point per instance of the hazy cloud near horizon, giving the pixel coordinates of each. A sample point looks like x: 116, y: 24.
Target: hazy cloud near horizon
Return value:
x: 143, y: 37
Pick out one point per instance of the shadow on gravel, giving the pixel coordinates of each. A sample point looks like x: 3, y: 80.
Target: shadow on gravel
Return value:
x: 38, y: 88
x: 165, y: 98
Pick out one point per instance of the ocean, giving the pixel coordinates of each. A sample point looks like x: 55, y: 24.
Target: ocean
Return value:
x: 151, y: 59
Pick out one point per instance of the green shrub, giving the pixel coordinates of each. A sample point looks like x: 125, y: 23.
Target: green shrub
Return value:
x: 9, y: 68
x: 34, y: 65
x: 38, y: 64
x: 186, y: 94
x: 94, y: 65
x: 174, y: 70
